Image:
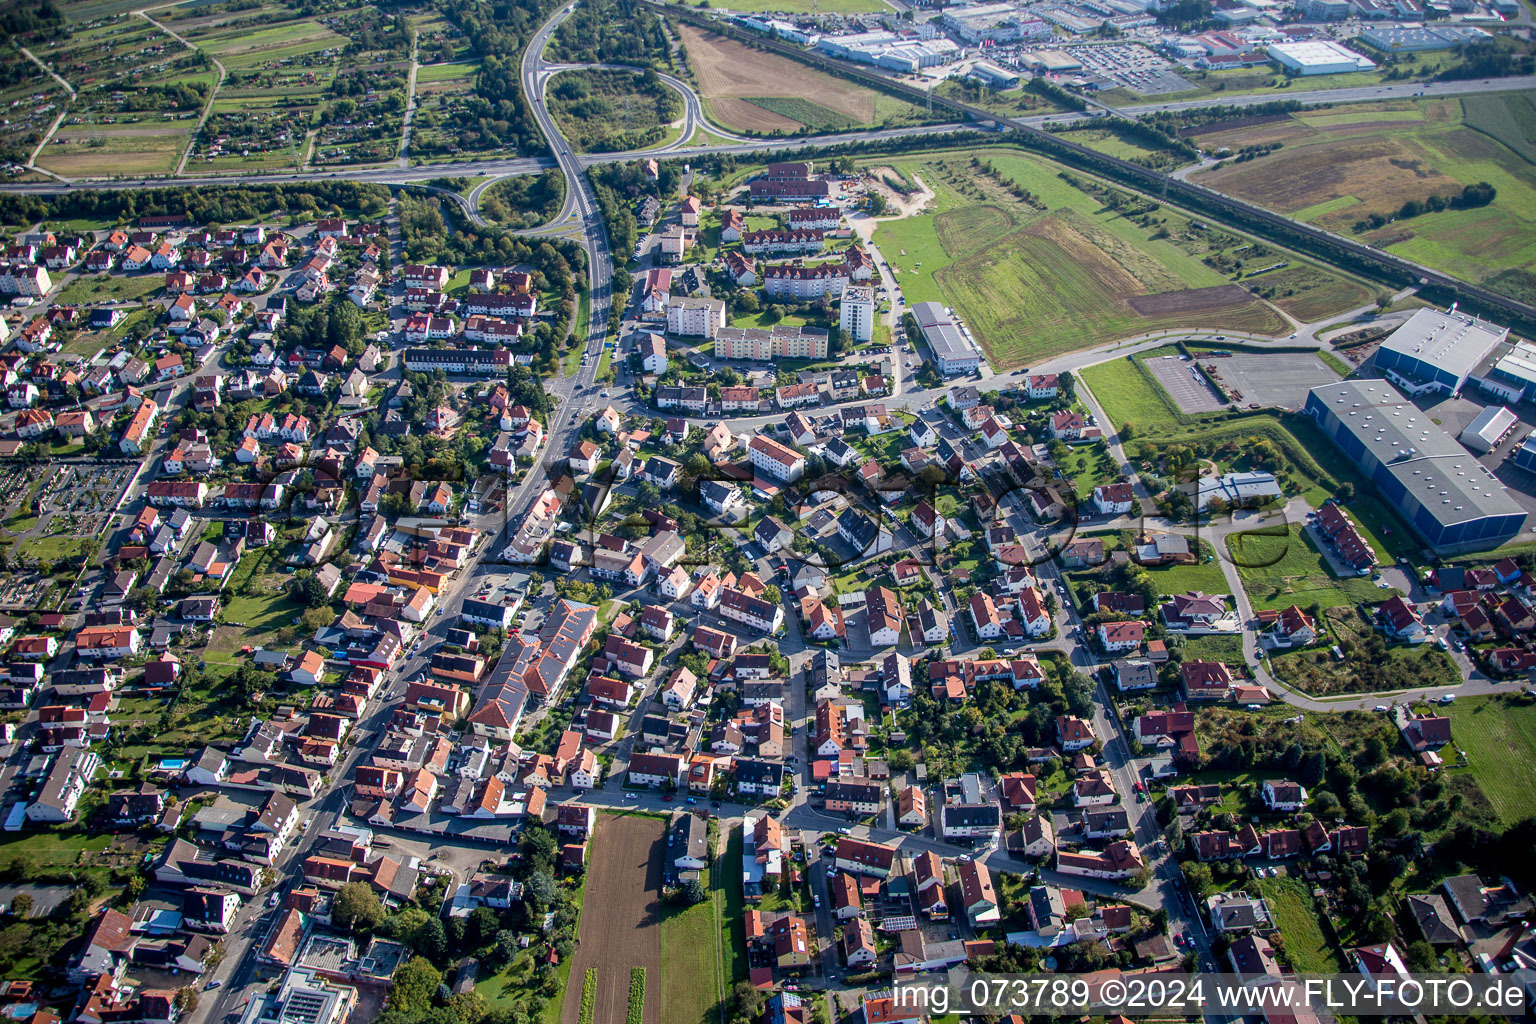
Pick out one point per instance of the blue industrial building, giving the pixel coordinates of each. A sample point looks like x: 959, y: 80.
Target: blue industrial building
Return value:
x: 1525, y: 455
x: 1444, y: 493
x: 1438, y: 347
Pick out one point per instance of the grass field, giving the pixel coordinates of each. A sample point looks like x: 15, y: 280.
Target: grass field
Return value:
x: 698, y: 958
x: 1126, y: 393
x: 52, y: 849
x: 1282, y: 569
x: 735, y: 80
x: 113, y: 288
x: 1337, y: 167
x: 1295, y: 914
x: 1499, y: 738
x: 1035, y: 279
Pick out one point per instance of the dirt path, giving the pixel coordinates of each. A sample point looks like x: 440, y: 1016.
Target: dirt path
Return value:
x: 403, y: 155
x: 903, y: 206
x: 620, y: 919
x: 197, y: 131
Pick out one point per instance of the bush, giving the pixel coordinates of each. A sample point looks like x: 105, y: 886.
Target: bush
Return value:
x: 636, y: 996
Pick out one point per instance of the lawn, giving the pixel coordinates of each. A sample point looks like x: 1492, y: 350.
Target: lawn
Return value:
x: 52, y: 849
x: 1089, y: 468
x: 1203, y: 575
x: 1279, y: 569
x: 1499, y: 738
x: 1227, y: 647
x: 86, y: 291
x: 1127, y: 393
x: 1295, y: 914
x: 694, y: 973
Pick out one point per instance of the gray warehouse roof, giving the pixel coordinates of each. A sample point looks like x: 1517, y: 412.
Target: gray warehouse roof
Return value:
x: 1490, y: 425
x: 1450, y: 340
x: 1439, y: 473
x: 941, y: 332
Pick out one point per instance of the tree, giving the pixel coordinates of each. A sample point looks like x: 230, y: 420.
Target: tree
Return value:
x: 185, y: 1001
x: 21, y: 906
x: 504, y: 951
x: 356, y: 904
x: 415, y: 984
x: 481, y: 928
x: 431, y: 941
x: 772, y: 594
x: 690, y: 893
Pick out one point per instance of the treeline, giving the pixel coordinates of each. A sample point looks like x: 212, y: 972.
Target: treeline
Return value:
x: 1019, y: 192
x: 175, y: 96
x: 1469, y: 198
x: 1247, y: 153
x: 612, y: 32
x: 19, y: 19
x: 1056, y: 94
x: 1186, y: 15
x: 1491, y: 59
x: 1174, y: 122
x: 201, y: 205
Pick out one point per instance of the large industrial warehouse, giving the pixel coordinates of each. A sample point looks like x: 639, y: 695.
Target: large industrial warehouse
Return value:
x: 1444, y: 493
x: 1439, y: 347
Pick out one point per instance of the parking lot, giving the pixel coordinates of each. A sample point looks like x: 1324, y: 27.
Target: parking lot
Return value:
x: 1274, y: 378
x: 1453, y: 414
x: 1130, y: 65
x: 1184, y: 384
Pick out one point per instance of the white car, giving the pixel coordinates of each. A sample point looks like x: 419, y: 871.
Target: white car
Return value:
x: 1381, y: 709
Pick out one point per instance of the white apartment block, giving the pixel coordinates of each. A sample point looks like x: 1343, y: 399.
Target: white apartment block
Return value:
x: 857, y: 315
x: 695, y: 318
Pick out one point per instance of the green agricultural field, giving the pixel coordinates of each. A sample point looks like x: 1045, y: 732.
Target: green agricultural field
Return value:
x: 1055, y: 272
x: 1281, y: 569
x: 1507, y: 117
x: 814, y: 116
x: 1295, y: 914
x: 694, y: 973
x: 1338, y: 167
x: 462, y: 71
x: 1499, y: 738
